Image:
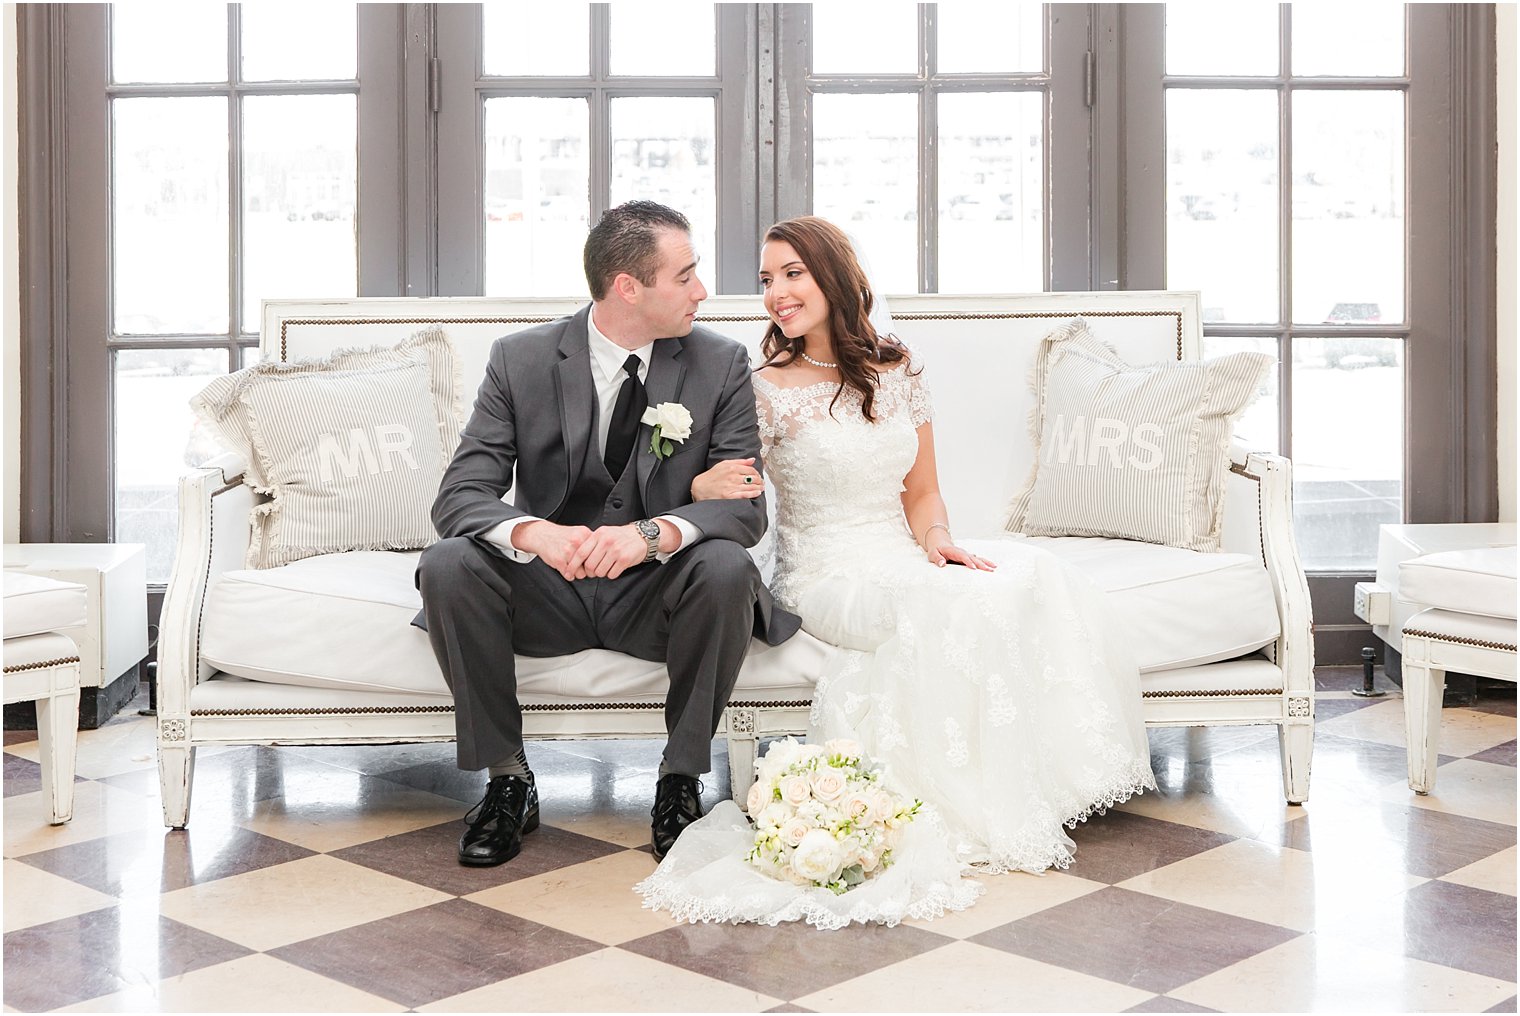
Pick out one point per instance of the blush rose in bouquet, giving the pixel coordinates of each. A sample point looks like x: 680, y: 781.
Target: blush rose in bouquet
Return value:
x: 822, y: 816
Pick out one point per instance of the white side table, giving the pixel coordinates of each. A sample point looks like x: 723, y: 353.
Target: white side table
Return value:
x: 114, y: 639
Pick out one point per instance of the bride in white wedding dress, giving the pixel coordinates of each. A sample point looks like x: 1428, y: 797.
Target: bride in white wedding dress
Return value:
x: 989, y: 677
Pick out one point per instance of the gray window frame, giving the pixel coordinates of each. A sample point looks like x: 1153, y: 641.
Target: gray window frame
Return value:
x: 463, y: 88
x: 1065, y: 82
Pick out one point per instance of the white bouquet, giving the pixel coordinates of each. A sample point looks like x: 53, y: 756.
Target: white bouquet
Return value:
x: 822, y: 817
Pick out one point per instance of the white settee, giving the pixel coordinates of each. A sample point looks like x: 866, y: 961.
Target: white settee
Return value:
x: 321, y: 651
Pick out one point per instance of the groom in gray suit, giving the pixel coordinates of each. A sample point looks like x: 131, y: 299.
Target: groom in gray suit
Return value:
x: 603, y: 546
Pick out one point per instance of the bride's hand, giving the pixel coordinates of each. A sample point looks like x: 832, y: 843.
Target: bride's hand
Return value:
x: 729, y: 479
x: 945, y: 553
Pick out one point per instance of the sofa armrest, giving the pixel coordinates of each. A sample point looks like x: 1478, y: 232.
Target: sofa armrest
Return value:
x: 213, y: 538
x: 1259, y: 521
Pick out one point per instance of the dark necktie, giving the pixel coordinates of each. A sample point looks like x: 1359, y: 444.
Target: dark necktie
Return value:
x: 623, y: 430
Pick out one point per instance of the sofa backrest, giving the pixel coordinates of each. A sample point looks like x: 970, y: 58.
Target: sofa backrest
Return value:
x: 977, y: 352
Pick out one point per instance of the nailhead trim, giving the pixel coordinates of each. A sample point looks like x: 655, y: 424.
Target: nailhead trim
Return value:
x: 43, y: 665
x: 1459, y: 640
x: 1205, y: 694
x: 532, y: 707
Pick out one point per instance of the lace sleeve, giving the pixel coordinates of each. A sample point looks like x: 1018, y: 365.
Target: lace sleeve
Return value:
x: 920, y: 404
x: 765, y: 415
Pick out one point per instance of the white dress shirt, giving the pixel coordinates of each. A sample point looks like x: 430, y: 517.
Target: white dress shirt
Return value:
x: 607, y: 358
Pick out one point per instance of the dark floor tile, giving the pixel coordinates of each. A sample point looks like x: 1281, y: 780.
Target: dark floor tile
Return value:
x: 104, y: 951
x: 1347, y: 678
x: 1438, y: 922
x: 1500, y: 700
x: 1165, y: 1003
x: 23, y: 776
x: 159, y: 861
x: 1459, y: 926
x: 1427, y: 843
x: 441, y: 777
x: 1197, y: 744
x: 430, y: 857
x: 1135, y: 939
x: 435, y: 952
x: 789, y: 1007
x: 19, y: 737
x: 789, y: 960
x: 1500, y: 754
x: 1119, y: 845
x: 376, y: 759
x: 1508, y: 1005
x: 232, y: 782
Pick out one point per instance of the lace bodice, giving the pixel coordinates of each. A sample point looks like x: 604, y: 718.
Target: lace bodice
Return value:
x: 838, y: 477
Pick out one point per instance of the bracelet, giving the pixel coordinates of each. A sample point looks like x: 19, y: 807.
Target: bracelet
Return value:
x: 934, y: 525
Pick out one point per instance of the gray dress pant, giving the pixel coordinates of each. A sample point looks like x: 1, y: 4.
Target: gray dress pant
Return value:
x: 695, y: 613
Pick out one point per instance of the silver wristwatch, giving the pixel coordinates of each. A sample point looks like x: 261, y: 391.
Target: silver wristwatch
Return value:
x: 650, y: 531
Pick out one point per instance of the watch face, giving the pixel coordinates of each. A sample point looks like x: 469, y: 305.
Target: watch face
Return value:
x: 649, y: 528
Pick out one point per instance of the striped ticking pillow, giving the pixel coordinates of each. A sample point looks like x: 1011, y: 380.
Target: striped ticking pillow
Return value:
x: 1137, y: 453
x: 352, y: 459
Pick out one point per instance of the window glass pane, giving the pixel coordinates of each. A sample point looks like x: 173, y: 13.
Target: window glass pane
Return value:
x: 285, y: 42
x: 157, y: 439
x: 663, y: 39
x: 300, y: 183
x: 991, y: 178
x: 169, y: 215
x: 663, y: 150
x: 865, y: 178
x: 169, y: 42
x: 984, y: 37
x: 865, y: 38
x: 1257, y: 429
x: 1222, y: 38
x: 1347, y: 480
x: 537, y: 195
x: 1348, y: 206
x: 537, y: 39
x: 1361, y: 39
x: 1222, y: 197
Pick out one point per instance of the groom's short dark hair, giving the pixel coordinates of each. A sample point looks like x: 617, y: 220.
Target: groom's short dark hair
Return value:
x: 627, y: 239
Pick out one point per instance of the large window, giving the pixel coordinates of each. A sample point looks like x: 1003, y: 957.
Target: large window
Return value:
x: 1285, y: 207
x: 175, y: 178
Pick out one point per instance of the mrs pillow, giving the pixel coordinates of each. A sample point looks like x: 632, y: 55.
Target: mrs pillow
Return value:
x: 1133, y: 452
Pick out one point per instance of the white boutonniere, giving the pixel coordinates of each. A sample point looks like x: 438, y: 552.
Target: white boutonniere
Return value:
x: 671, y: 422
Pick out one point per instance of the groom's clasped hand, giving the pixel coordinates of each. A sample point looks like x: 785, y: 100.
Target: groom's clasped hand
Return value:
x: 580, y: 552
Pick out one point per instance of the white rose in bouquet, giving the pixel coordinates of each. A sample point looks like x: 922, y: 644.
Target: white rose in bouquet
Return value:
x: 828, y: 784
x: 817, y: 857
x: 794, y: 831
x: 843, y: 746
x: 795, y: 790
x: 759, y: 795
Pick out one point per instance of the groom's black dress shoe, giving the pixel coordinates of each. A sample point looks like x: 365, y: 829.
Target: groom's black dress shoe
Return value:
x: 677, y: 804
x: 497, y: 823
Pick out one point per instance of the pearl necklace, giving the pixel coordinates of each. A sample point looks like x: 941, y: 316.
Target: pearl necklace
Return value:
x: 818, y: 363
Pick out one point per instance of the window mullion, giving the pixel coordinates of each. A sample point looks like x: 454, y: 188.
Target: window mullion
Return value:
x: 928, y: 152
x: 234, y: 173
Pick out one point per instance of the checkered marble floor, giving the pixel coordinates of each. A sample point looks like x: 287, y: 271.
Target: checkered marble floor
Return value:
x: 324, y: 879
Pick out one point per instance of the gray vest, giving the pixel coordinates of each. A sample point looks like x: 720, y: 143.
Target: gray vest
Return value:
x: 596, y: 499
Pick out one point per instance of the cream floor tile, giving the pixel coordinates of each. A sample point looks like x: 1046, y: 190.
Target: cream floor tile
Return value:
x: 1463, y: 731
x: 1008, y: 898
x: 255, y: 983
x: 99, y: 810
x: 593, y: 899
x: 964, y: 977
x: 112, y: 749
x: 607, y: 981
x: 34, y: 896
x: 1465, y: 787
x: 1276, y: 885
x: 1496, y: 873
x: 1240, y: 807
x: 328, y: 824
x: 1315, y: 974
x: 297, y: 900
x: 616, y: 824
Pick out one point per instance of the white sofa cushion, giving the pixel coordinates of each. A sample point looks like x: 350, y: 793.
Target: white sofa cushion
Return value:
x: 1183, y: 607
x: 1170, y: 598
x: 1457, y: 626
x: 1479, y: 580
x: 369, y: 597
x: 35, y: 604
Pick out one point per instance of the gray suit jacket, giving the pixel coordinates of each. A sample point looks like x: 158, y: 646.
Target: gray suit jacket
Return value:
x: 534, y: 415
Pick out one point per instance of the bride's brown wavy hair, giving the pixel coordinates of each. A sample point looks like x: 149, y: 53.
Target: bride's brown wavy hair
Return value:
x: 830, y: 258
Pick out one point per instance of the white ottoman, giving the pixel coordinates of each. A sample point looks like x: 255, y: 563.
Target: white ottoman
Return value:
x: 1469, y: 628
x: 42, y: 665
